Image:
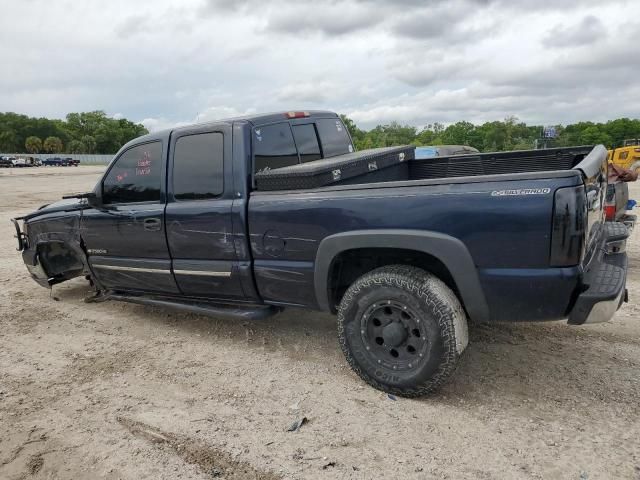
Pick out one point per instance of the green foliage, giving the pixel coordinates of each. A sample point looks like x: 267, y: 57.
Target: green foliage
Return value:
x: 89, y: 143
x: 75, y: 146
x: 8, y: 141
x: 33, y: 144
x: 593, y: 135
x: 382, y: 135
x: 53, y: 145
x: 509, y: 134
x: 357, y: 135
x: 458, y: 133
x: 86, y: 132
x: 95, y: 132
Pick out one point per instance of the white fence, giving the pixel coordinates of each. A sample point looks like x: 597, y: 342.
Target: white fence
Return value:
x: 84, y: 159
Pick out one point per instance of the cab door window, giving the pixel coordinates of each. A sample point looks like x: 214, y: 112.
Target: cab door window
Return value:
x: 136, y: 176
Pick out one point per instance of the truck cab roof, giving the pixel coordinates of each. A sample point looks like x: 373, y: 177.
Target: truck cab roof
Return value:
x: 329, y: 131
x: 255, y: 120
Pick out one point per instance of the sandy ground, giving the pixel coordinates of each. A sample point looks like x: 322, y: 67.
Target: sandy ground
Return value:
x: 116, y: 390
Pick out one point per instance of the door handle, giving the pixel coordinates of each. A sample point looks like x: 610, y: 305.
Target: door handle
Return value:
x: 152, y: 224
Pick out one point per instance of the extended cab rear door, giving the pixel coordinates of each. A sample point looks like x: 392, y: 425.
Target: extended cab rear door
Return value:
x: 199, y: 213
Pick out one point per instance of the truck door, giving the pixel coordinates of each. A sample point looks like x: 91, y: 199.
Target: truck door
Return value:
x: 199, y: 213
x: 125, y: 236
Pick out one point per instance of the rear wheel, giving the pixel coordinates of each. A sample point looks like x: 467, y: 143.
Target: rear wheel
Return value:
x: 402, y: 330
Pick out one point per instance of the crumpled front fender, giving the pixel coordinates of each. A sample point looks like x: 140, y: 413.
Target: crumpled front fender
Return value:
x: 54, y: 251
x: 34, y: 266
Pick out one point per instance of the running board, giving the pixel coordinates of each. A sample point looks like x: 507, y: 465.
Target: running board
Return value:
x: 258, y: 312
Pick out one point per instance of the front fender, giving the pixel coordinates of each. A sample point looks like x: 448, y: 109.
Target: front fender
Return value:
x: 54, y: 251
x: 449, y: 250
x: 34, y: 266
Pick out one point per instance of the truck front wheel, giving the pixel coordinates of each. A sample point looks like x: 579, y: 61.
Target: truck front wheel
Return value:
x: 402, y: 330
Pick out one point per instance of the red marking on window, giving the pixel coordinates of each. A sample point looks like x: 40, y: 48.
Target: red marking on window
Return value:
x: 144, y: 164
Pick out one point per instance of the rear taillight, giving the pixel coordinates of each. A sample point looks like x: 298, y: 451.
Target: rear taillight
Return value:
x: 569, y: 226
x: 610, y: 212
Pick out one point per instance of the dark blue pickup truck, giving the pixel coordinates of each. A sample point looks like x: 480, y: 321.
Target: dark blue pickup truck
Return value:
x: 246, y: 216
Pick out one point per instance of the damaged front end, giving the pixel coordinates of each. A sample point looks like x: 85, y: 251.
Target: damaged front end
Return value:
x: 51, y: 246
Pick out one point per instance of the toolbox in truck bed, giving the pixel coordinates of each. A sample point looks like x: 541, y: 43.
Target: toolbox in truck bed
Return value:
x: 348, y: 168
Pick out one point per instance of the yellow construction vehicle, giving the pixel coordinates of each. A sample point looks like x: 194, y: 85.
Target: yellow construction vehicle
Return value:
x: 627, y: 156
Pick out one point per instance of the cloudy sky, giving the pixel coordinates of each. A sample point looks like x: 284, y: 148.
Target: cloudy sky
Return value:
x: 415, y: 61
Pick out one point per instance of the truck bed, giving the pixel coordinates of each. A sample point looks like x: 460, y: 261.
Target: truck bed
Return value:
x: 496, y: 163
x: 502, y: 219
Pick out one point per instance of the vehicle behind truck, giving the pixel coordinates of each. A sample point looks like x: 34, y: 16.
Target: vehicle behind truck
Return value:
x: 246, y: 216
x: 626, y: 155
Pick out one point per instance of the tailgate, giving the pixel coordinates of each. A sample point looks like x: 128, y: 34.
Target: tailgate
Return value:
x: 622, y: 198
x: 594, y: 174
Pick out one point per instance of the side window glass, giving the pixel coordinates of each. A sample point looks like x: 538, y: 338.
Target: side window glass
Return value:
x: 273, y: 147
x: 135, y: 177
x: 198, y: 166
x: 307, y: 142
x: 334, y: 137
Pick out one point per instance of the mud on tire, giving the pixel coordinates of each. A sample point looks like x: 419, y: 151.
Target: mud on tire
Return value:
x: 402, y: 330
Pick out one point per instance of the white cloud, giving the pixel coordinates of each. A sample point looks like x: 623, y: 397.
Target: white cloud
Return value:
x: 155, y: 124
x: 318, y: 17
x: 590, y: 30
x: 377, y: 60
x: 219, y: 112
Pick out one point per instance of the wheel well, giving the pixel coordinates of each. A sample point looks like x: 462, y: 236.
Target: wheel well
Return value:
x: 352, y: 264
x: 59, y: 261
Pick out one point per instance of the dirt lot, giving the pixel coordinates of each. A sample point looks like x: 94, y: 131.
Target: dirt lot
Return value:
x: 122, y: 391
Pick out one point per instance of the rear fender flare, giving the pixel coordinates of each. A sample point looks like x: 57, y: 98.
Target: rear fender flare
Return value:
x: 449, y: 250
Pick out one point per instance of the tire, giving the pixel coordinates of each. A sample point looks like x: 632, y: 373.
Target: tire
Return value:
x: 402, y: 330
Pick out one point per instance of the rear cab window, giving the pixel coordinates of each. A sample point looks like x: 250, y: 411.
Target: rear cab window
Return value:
x: 307, y: 142
x: 198, y: 164
x: 285, y: 143
x: 274, y: 147
x: 334, y: 137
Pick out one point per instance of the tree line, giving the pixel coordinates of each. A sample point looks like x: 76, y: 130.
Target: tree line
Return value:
x: 510, y: 134
x: 95, y: 132
x: 85, y: 132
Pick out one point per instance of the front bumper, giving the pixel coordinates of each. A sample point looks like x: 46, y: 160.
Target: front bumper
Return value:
x: 34, y: 266
x: 605, y: 280
x: 29, y: 255
x: 20, y: 236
